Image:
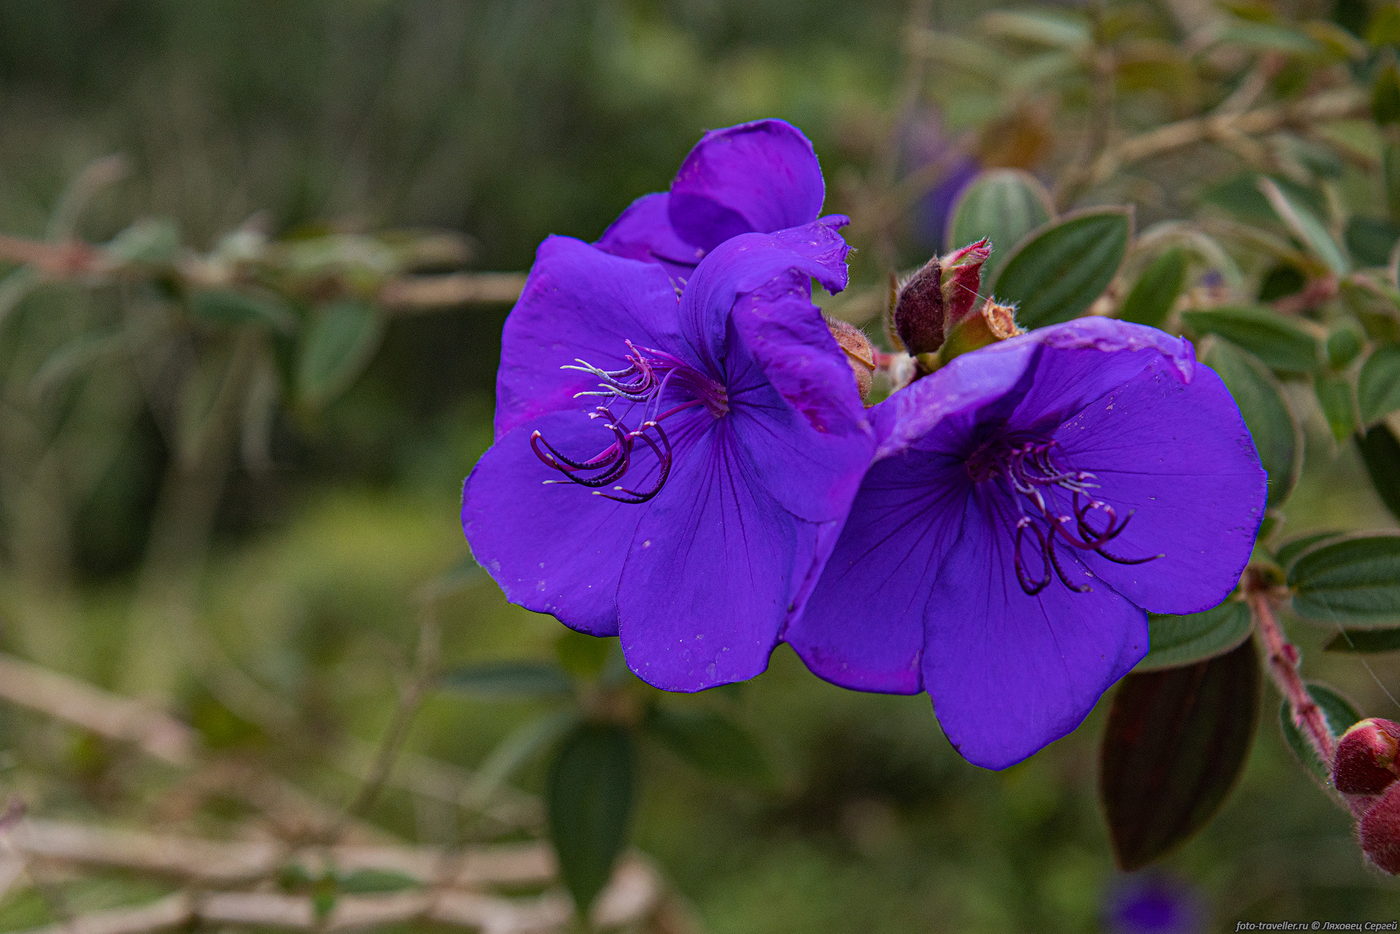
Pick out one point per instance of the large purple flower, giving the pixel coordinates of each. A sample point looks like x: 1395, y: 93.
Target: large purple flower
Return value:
x: 758, y: 177
x: 671, y: 468
x: 1025, y: 504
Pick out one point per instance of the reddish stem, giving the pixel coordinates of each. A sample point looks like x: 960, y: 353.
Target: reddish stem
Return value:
x: 1283, y: 668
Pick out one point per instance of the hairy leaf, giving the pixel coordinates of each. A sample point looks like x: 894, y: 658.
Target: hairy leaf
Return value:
x: 1002, y: 205
x: 1354, y: 579
x: 589, y: 803
x: 1175, y: 743
x: 1056, y: 274
x: 1182, y: 640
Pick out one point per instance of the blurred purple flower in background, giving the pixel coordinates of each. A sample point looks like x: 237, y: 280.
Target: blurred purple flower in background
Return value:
x: 1026, y: 503
x: 1153, y: 903
x: 758, y: 177
x: 671, y: 468
x: 926, y: 146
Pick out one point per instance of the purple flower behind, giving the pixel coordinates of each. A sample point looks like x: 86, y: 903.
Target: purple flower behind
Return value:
x: 1153, y: 904
x: 1025, y: 505
x: 671, y: 468
x: 758, y: 177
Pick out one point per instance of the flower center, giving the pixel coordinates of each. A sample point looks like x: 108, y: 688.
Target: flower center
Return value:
x: 1055, y: 504
x: 638, y: 391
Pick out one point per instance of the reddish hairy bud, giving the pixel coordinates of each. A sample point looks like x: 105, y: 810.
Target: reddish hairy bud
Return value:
x: 1380, y: 831
x: 962, y: 279
x: 934, y: 301
x: 919, y: 312
x: 1365, y: 762
x: 860, y: 353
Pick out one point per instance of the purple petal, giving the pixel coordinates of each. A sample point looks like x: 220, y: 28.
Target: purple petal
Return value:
x: 1177, y: 454
x: 713, y: 569
x: 553, y: 548
x: 1010, y: 673
x: 644, y: 232
x: 796, y: 411
x: 760, y: 176
x: 578, y: 302
x: 862, y: 628
x: 747, y: 264
x: 1081, y: 360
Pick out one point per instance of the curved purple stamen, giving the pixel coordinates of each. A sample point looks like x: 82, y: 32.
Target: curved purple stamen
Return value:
x: 1025, y: 467
x: 650, y: 375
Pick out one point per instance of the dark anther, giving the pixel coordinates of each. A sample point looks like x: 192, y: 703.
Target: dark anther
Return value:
x: 1028, y: 471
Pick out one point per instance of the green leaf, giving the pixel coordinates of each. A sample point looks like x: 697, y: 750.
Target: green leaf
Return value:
x: 1390, y: 178
x: 1306, y: 226
x: 231, y: 308
x: 1156, y: 291
x: 1365, y: 641
x: 509, y: 679
x: 1056, y: 274
x: 1289, y: 551
x: 1378, y: 387
x: 1343, y: 346
x: 1354, y: 579
x: 1175, y: 743
x: 1277, y: 435
x: 589, y: 802
x: 1273, y: 37
x: 338, y: 344
x: 1241, y: 196
x: 148, y: 242
x: 1385, y: 95
x: 1002, y: 205
x: 1380, y: 452
x: 1183, y: 640
x: 1370, y: 239
x: 1280, y: 343
x: 1385, y: 26
x: 371, y: 881
x: 1338, y: 408
x: 712, y: 743
x: 1339, y: 714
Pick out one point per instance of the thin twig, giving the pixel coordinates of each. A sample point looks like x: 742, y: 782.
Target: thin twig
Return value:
x: 1330, y: 105
x: 420, y: 682
x: 410, y: 293
x: 150, y: 729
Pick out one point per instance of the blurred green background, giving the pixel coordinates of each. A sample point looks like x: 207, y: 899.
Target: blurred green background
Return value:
x: 502, y: 122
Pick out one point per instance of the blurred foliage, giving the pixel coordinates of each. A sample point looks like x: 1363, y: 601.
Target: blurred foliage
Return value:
x: 229, y: 465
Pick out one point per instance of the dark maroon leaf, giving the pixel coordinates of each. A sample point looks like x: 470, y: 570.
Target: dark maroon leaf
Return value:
x: 1175, y: 743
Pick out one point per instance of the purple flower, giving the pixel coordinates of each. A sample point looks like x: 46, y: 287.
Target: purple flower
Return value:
x: 671, y: 468
x: 758, y: 177
x: 1153, y: 904
x: 1025, y: 504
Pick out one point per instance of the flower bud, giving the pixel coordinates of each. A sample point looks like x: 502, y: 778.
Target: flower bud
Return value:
x: 993, y: 322
x: 961, y: 281
x: 937, y: 298
x: 1380, y: 831
x: 860, y: 353
x: 1365, y: 761
x: 919, y: 314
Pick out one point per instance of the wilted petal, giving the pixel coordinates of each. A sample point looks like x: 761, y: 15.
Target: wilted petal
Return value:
x: 1010, y: 673
x: 761, y: 176
x: 553, y: 548
x: 714, y: 566
x: 1178, y: 456
x: 578, y: 302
